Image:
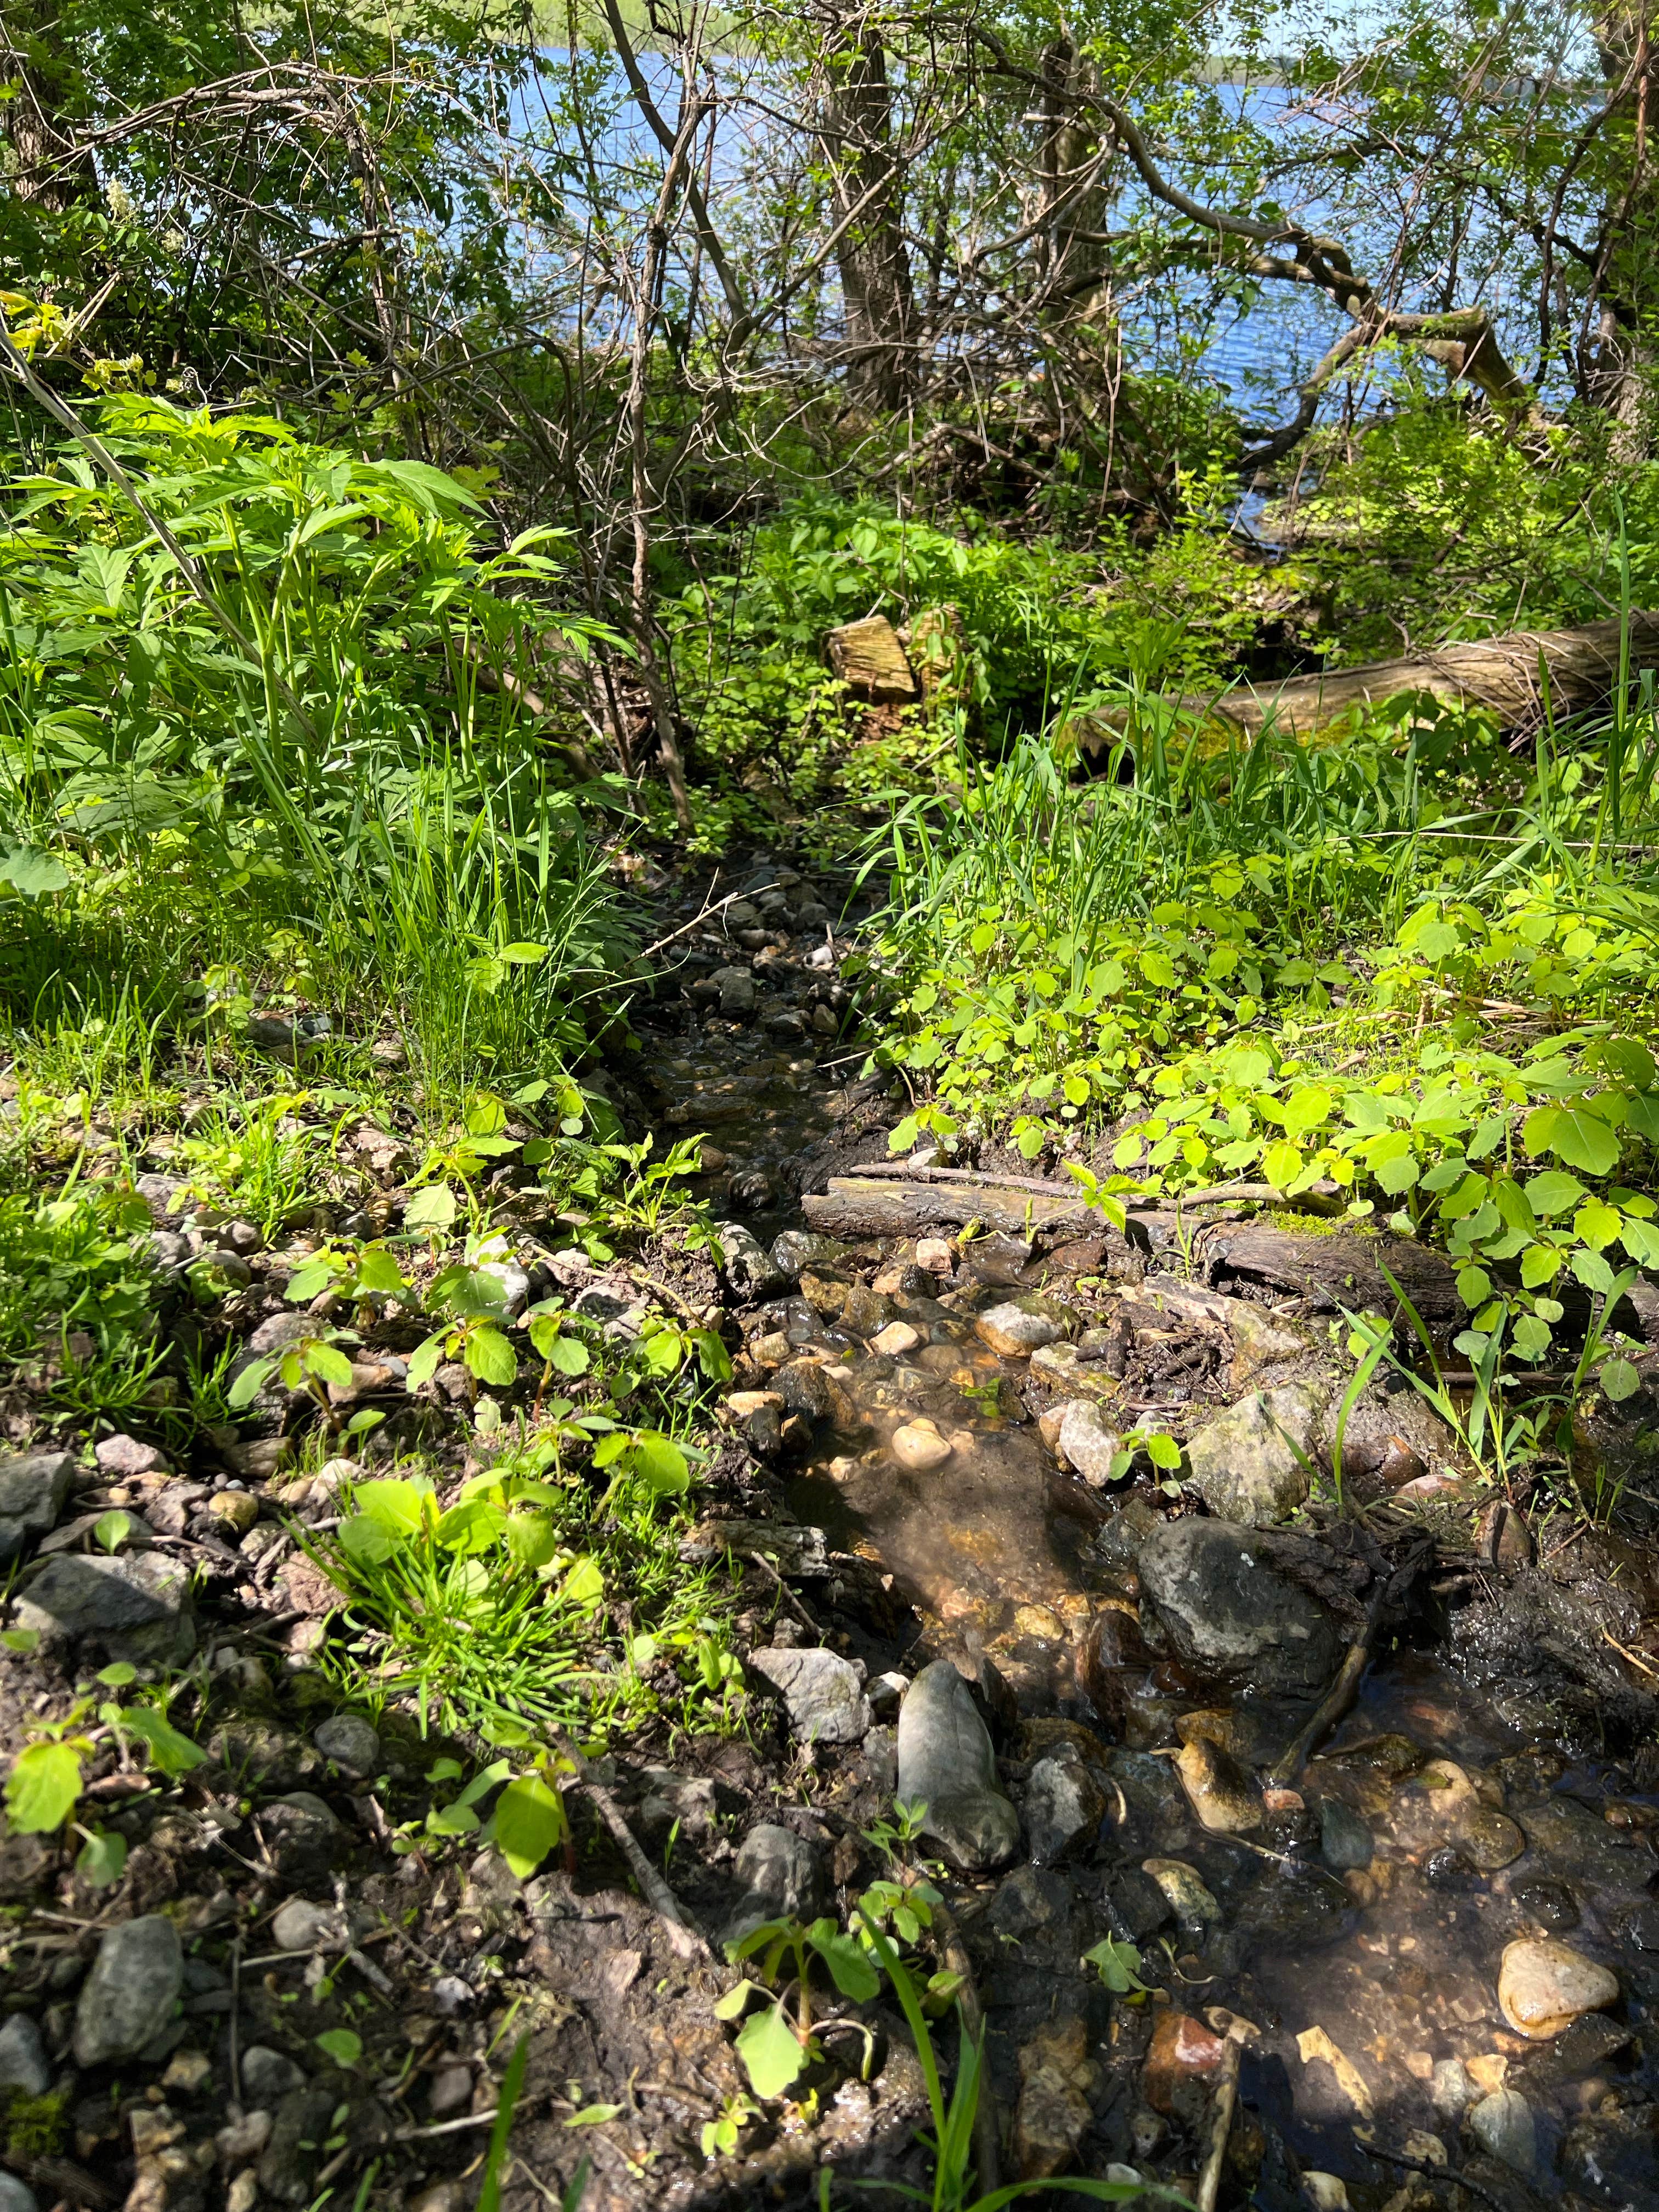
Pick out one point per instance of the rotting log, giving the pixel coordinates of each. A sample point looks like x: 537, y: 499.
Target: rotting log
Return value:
x: 1501, y: 674
x: 1335, y: 1270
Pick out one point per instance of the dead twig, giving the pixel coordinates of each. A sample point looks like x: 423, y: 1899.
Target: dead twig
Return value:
x: 683, y: 1933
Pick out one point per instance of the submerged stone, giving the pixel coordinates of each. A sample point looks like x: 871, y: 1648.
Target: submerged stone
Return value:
x: 1345, y: 1841
x: 1543, y: 1986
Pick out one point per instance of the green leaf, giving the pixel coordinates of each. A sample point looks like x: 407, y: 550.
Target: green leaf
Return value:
x: 340, y: 2045
x: 365, y: 1542
x: 329, y: 1363
x: 770, y: 2052
x: 1163, y: 1452
x: 584, y: 1585
x: 249, y: 1383
x: 530, y: 1822
x: 1552, y: 1192
x: 172, y: 1753
x: 490, y: 1356
x: 21, y: 1640
x: 432, y: 1208
x: 592, y: 2116
x: 1620, y: 1379
x: 847, y: 1960
x: 735, y: 2003
x: 1119, y: 1964
x: 1596, y: 1224
x: 1531, y: 1337
x: 1305, y: 1110
x: 1281, y: 1164
x: 32, y: 873
x: 42, y: 1787
x: 112, y: 1529
x: 1574, y: 1135
x: 102, y: 1859
x: 1473, y: 1285
x: 1539, y: 1264
x: 661, y: 1462
x: 1593, y: 1271
x: 1397, y: 1175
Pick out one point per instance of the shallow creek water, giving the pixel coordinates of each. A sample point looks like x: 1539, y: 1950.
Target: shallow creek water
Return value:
x: 1374, y: 1985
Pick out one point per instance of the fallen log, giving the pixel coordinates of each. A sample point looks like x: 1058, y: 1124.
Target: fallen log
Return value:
x: 1333, y: 1272
x: 1501, y: 674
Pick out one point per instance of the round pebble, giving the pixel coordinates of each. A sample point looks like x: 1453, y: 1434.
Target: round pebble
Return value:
x: 1544, y: 1986
x: 919, y: 1446
x: 1492, y: 1840
x: 352, y: 1742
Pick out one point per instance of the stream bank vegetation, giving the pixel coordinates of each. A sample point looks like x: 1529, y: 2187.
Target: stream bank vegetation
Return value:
x: 518, y: 532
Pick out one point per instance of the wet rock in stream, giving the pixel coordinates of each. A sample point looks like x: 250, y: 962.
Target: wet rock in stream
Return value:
x: 1251, y: 1465
x: 946, y: 1759
x: 1231, y: 1619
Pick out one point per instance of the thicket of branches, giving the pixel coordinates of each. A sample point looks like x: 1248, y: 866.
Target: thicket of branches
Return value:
x: 638, y: 271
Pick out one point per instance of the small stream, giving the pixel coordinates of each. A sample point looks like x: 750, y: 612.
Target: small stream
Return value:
x: 1361, y: 1923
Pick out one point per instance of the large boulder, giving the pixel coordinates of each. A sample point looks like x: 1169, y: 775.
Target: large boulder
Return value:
x: 1228, y: 1618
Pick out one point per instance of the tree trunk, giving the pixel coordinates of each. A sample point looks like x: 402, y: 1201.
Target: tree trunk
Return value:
x: 868, y: 199
x: 48, y: 171
x: 1499, y: 673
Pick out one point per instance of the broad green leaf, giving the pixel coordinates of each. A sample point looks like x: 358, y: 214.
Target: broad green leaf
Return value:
x: 1552, y: 1192
x: 1473, y: 1285
x: 592, y: 2116
x: 42, y: 1787
x: 1305, y: 1110
x: 661, y: 1462
x: 249, y: 1383
x: 584, y: 1585
x: 32, y: 873
x: 379, y: 1271
x: 1620, y: 1379
x: 1596, y: 1224
x: 530, y: 1822
x: 473, y: 1527
x: 112, y: 1529
x: 172, y: 1753
x: 21, y: 1640
x: 102, y: 1859
x: 1539, y: 1264
x: 432, y: 1208
x: 1593, y: 1271
x: 490, y: 1356
x: 735, y: 2003
x: 367, y: 1542
x: 1530, y: 1337
x: 399, y: 1504
x: 1574, y: 1135
x: 329, y: 1363
x: 1281, y: 1164
x: 771, y: 2052
x: 1163, y: 1452
x: 1396, y: 1176
x: 340, y: 2045
x: 425, y: 1360
x: 847, y: 1960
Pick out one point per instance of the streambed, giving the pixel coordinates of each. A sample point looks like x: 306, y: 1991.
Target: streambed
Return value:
x: 1492, y: 1786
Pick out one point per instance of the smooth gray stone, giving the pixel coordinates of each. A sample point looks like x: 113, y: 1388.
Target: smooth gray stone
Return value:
x: 746, y: 1263
x: 352, y: 1742
x: 23, y: 2061
x: 945, y: 1760
x: 128, y: 1998
x: 267, y: 2076
x: 1503, y: 2127
x: 781, y: 1878
x: 1063, y: 1807
x: 1345, y: 1840
x: 33, y: 1487
x: 16, y: 2195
